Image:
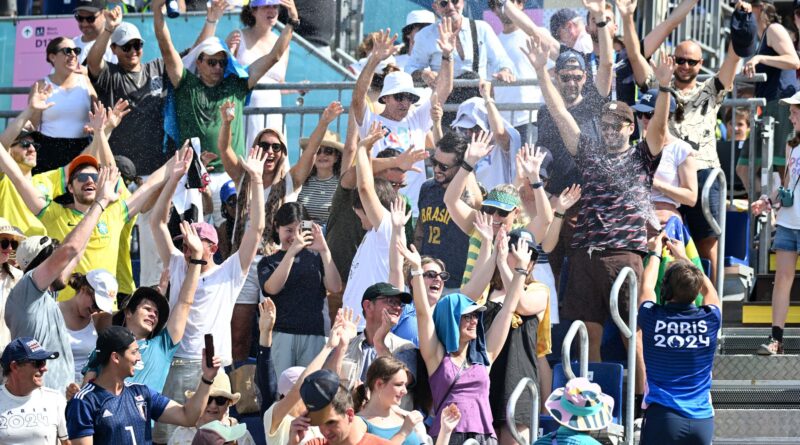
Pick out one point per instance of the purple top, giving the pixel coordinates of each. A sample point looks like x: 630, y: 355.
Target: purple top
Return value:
x: 470, y: 394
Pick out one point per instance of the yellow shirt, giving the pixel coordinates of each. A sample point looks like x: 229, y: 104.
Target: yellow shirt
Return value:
x: 103, y: 249
x: 13, y: 208
x: 124, y: 267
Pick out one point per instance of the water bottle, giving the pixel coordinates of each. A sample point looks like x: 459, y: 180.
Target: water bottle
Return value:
x: 172, y: 9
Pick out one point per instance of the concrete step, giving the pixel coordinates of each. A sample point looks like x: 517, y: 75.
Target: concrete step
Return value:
x: 755, y: 369
x: 763, y: 397
x: 753, y: 426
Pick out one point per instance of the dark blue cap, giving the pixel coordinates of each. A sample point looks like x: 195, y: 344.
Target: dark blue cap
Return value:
x: 318, y: 389
x: 561, y: 18
x: 25, y: 349
x: 226, y: 191
x: 571, y: 59
x: 647, y: 102
x: 743, y: 33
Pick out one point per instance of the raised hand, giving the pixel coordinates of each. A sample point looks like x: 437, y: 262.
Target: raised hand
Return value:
x: 529, y: 162
x: 483, y: 225
x: 383, y: 45
x: 291, y: 9
x: 450, y: 418
x: 664, y: 69
x: 216, y: 10
x: 501, y: 245
x: 626, y: 7
x: 99, y: 118
x: 254, y: 164
x: 206, y: 157
x: 233, y: 41
x: 183, y: 160
x: 485, y: 89
x: 191, y: 239
x: 479, y: 147
x: 521, y: 251
x: 227, y: 111
x: 568, y: 198
x: 318, y: 243
x: 298, y: 429
x: 436, y: 108
x: 536, y: 52
x: 407, y: 159
x: 332, y: 111
x: 596, y: 7
x: 113, y: 17
x: 411, y: 255
x: 266, y: 315
x: 115, y: 115
x: 398, y: 212
x: 376, y: 132
x: 447, y: 37
x: 302, y: 239
x: 349, y: 324
x: 38, y: 99
x: 107, y: 181
x: 210, y: 373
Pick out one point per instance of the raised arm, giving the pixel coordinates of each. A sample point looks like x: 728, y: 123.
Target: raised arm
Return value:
x: 63, y: 261
x: 160, y: 216
x: 348, y: 173
x: 464, y: 215
x: 260, y: 66
x: 660, y: 32
x: 332, y: 279
x: 187, y: 414
x: 30, y: 195
x: 550, y: 43
x: 708, y: 291
x: 567, y: 127
x: 366, y: 183
x: 650, y: 274
x: 266, y: 377
x: 529, y: 163
x: 179, y: 314
x: 94, y: 60
x: 302, y: 169
x: 143, y: 197
x: 657, y: 130
x: 215, y: 12
x: 172, y: 60
x: 597, y: 8
x: 399, y: 219
x: 382, y: 48
x: 230, y: 161
x: 639, y: 65
x: 484, y: 266
x: 254, y: 166
x: 447, y: 44
x: 786, y: 58
x: 429, y: 346
x: 496, y: 125
x: 562, y: 203
x: 497, y: 334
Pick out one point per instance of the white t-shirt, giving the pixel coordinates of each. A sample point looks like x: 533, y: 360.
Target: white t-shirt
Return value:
x: 83, y: 343
x: 673, y: 155
x: 281, y: 436
x: 87, y: 46
x: 36, y: 419
x: 789, y: 217
x: 213, y: 306
x: 150, y: 270
x: 370, y: 265
x: 499, y: 166
x: 513, y: 43
x: 402, y: 135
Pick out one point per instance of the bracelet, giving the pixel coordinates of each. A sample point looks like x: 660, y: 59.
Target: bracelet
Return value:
x: 521, y: 271
x: 213, y: 22
x: 293, y: 23
x: 207, y: 382
x: 102, y: 209
x: 558, y: 215
x: 665, y: 89
x: 417, y: 273
x: 110, y: 31
x: 488, y: 100
x: 651, y: 253
x: 466, y: 166
x: 448, y: 57
x: 601, y: 24
x: 200, y: 262
x: 536, y: 185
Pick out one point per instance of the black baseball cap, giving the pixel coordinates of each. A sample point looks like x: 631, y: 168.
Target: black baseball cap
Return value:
x: 35, y: 136
x: 385, y: 290
x: 126, y: 168
x: 92, y: 6
x: 113, y: 339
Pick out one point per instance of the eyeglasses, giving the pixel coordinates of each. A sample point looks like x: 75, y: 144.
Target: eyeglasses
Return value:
x: 219, y: 400
x: 214, y: 62
x: 614, y: 126
x: 88, y: 19
x: 683, y: 60
x: 67, y: 51
x: 27, y: 144
x: 441, y: 165
x: 391, y: 301
x: 492, y: 210
x: 643, y: 115
x: 469, y: 317
x: 566, y: 78
x: 274, y: 147
x: 330, y: 151
x: 83, y: 177
x: 132, y: 45
x: 402, y: 97
x: 4, y: 244
x: 432, y: 274
x: 443, y: 3
x: 36, y: 363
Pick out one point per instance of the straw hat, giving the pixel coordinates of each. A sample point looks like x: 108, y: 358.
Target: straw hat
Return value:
x: 330, y: 139
x: 221, y: 387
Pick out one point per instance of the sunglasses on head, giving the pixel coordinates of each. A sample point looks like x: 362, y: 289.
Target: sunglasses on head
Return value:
x: 27, y: 144
x: 214, y: 62
x: 330, y: 151
x: 443, y: 3
x: 132, y: 45
x: 492, y: 210
x: 219, y: 400
x: 83, y: 177
x: 441, y: 165
x: 643, y: 115
x: 67, y: 51
x: 683, y: 60
x: 4, y: 244
x: 566, y: 78
x: 402, y: 97
x: 274, y: 147
x: 83, y: 18
x: 432, y: 274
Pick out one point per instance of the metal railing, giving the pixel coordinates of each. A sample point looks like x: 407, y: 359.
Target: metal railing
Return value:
x: 718, y: 226
x: 511, y: 409
x: 578, y: 327
x: 628, y: 331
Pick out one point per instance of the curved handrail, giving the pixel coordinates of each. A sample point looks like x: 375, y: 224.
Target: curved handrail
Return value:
x: 717, y: 227
x: 628, y: 331
x: 511, y: 409
x: 580, y: 328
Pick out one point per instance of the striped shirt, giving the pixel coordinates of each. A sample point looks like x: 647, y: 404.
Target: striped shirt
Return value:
x: 317, y: 196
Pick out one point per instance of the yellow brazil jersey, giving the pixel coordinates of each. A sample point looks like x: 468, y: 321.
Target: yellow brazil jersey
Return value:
x: 13, y: 208
x: 124, y: 266
x: 102, y: 252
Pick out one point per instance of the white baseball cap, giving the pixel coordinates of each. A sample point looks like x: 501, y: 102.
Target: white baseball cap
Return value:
x: 794, y: 100
x: 124, y: 33
x: 105, y: 288
x: 470, y: 113
x: 420, y: 16
x: 398, y: 82
x: 288, y: 378
x: 30, y: 248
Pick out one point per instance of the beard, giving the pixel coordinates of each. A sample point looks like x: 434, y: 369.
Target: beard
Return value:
x: 80, y: 199
x: 689, y: 78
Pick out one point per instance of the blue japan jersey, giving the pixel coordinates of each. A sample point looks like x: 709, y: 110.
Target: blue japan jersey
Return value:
x: 122, y: 419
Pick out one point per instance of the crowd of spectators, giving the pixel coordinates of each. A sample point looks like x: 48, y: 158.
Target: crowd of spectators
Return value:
x: 399, y: 280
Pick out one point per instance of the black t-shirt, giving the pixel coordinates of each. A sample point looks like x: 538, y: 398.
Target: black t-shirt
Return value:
x: 302, y: 298
x: 317, y: 20
x: 140, y: 136
x: 563, y: 171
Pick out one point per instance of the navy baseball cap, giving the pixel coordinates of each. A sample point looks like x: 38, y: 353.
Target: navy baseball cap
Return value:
x: 25, y: 349
x: 647, y: 102
x: 561, y: 18
x: 570, y: 59
x: 318, y: 389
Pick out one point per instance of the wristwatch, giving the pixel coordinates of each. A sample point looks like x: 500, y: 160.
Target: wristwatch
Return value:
x: 200, y: 261
x: 417, y: 273
x: 293, y: 23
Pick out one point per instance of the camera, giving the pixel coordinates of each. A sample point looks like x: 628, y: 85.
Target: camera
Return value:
x: 305, y: 226
x: 785, y: 197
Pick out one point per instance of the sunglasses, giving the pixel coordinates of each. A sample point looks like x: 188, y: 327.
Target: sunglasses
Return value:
x: 643, y: 115
x: 614, y: 126
x: 402, y: 97
x: 566, y: 78
x: 132, y: 45
x: 274, y: 147
x: 67, y: 51
x: 83, y: 177
x: 683, y: 60
x: 398, y: 185
x: 443, y: 3
x: 492, y: 210
x: 35, y: 363
x: 330, y: 151
x: 441, y: 165
x: 219, y: 400
x: 4, y: 244
x: 432, y: 274
x: 87, y: 19
x: 28, y: 144
x: 391, y: 301
x: 214, y: 62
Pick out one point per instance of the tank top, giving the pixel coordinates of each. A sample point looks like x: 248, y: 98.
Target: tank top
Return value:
x: 387, y: 433
x: 262, y: 98
x: 82, y: 343
x: 470, y: 394
x: 780, y: 83
x: 70, y: 113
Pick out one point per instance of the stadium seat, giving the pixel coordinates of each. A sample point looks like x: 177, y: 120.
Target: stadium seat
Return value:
x: 607, y: 375
x: 737, y: 235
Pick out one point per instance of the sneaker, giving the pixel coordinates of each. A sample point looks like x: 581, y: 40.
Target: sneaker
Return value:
x: 774, y: 347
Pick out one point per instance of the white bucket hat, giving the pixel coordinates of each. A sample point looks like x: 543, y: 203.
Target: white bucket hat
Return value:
x: 398, y: 82
x: 420, y: 16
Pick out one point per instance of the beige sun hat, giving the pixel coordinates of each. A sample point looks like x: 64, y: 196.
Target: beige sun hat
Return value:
x: 330, y: 139
x: 221, y: 387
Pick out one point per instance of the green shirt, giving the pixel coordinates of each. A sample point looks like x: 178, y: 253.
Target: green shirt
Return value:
x: 197, y: 106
